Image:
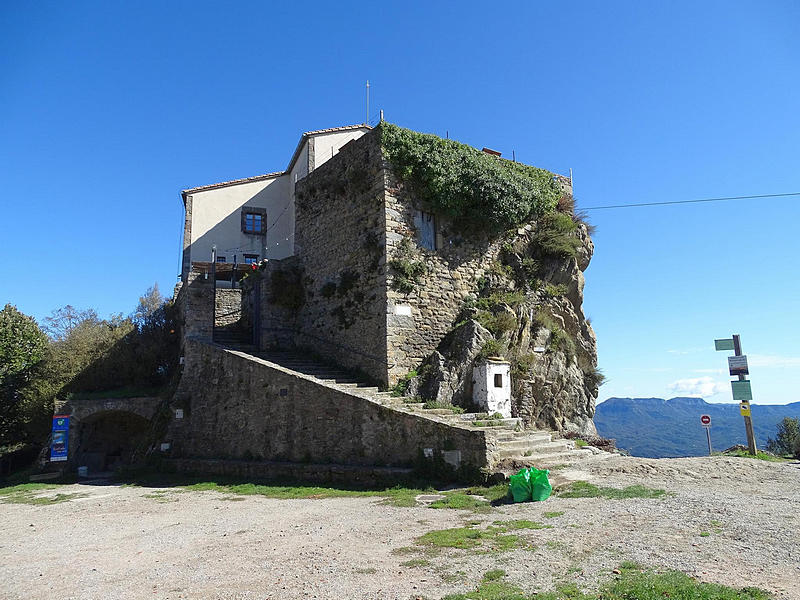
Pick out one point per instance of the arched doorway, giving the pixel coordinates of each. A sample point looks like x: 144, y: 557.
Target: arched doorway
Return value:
x: 111, y: 439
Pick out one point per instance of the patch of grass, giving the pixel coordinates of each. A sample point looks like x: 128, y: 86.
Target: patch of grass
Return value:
x: 461, y: 501
x: 126, y: 392
x: 416, y: 562
x: 486, y: 540
x: 521, y: 524
x: 163, y: 495
x: 436, y: 404
x: 491, y: 590
x: 583, y: 489
x: 759, y: 455
x: 704, y: 534
x: 26, y: 493
x: 365, y: 570
x: 457, y: 537
x: 633, y: 583
x: 493, y: 575
x: 396, y: 496
x: 553, y: 515
x: 579, y: 443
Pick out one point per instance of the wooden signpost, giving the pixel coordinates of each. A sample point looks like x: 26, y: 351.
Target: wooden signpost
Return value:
x: 737, y: 367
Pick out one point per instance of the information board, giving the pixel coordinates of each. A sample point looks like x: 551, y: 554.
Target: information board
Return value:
x: 59, y: 438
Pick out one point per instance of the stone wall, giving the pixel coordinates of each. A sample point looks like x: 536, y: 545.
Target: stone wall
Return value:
x: 451, y: 274
x: 340, y: 247
x: 196, y: 304
x: 241, y: 407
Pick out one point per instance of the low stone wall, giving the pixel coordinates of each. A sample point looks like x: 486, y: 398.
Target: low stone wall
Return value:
x: 240, y: 407
x: 250, y: 470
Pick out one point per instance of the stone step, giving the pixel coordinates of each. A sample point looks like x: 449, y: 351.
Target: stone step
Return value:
x: 509, y: 423
x: 525, y: 444
x: 532, y: 451
x: 545, y: 460
x: 524, y: 435
x: 438, y: 411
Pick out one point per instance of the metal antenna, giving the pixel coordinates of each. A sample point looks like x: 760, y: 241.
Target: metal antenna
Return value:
x: 366, y: 120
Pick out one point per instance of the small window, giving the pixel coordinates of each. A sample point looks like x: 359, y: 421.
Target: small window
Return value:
x: 250, y: 259
x: 220, y: 259
x: 254, y: 220
x: 498, y: 380
x: 426, y: 229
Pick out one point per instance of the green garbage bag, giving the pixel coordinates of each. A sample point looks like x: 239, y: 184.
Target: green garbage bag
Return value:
x: 540, y: 485
x: 530, y: 485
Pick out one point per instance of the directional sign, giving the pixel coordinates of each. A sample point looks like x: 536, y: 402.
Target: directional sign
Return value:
x: 726, y: 344
x: 737, y: 365
x: 744, y: 408
x: 742, y: 391
x: 705, y: 420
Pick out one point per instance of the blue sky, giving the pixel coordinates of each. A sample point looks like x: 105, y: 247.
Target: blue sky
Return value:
x: 108, y: 110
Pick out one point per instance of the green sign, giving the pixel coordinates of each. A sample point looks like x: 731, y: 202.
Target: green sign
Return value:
x: 723, y: 344
x: 741, y: 390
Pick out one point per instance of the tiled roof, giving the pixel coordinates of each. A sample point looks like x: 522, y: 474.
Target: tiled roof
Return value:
x: 303, y: 138
x: 213, y: 186
x: 308, y: 134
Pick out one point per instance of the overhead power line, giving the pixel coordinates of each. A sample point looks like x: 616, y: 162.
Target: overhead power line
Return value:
x: 721, y: 199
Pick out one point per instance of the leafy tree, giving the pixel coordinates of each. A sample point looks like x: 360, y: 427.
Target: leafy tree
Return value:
x: 788, y: 438
x: 22, y: 346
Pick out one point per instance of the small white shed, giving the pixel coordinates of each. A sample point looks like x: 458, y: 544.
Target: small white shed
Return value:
x: 491, y: 387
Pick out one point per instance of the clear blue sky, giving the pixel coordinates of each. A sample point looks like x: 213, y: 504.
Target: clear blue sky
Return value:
x: 108, y: 110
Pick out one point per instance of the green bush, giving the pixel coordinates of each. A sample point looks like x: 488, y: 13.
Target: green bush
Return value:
x: 555, y: 236
x: 492, y: 348
x: 498, y: 323
x: 787, y: 440
x: 407, y: 268
x: 476, y: 190
x: 551, y: 290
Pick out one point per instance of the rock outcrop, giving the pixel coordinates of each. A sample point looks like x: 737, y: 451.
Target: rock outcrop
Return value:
x: 528, y: 307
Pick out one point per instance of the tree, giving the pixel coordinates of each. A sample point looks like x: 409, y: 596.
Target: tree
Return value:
x: 63, y: 320
x: 788, y: 438
x: 22, y: 346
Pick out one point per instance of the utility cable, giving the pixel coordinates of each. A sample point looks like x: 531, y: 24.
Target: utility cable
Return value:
x: 721, y: 199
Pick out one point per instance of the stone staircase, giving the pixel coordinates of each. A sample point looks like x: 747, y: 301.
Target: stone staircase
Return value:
x: 234, y: 338
x: 513, y: 446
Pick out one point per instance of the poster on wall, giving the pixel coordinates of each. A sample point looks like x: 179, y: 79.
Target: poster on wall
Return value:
x: 58, y: 445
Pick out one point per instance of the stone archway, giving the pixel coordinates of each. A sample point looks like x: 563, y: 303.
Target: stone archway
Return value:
x: 107, y: 440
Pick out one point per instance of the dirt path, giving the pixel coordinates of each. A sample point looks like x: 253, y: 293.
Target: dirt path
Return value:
x: 732, y: 521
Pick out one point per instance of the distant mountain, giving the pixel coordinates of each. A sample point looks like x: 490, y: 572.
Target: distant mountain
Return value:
x: 656, y: 428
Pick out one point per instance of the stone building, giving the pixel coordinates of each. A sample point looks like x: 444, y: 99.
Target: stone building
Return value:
x: 287, y: 362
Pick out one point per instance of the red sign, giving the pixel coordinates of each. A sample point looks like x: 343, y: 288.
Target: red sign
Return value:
x: 705, y: 420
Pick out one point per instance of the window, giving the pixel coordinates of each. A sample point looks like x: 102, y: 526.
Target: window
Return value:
x: 498, y: 380
x: 426, y: 229
x: 220, y: 259
x: 250, y: 259
x: 254, y: 220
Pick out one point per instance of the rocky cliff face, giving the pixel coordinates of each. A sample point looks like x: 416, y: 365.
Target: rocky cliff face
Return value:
x: 528, y: 308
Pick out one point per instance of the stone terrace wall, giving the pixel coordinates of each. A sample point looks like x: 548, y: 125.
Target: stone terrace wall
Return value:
x: 196, y: 304
x: 241, y: 407
x: 339, y: 241
x: 453, y: 270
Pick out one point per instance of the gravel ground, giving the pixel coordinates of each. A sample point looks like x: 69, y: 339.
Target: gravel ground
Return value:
x: 118, y: 543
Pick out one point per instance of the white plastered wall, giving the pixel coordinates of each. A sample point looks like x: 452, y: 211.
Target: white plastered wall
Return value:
x: 216, y: 219
x: 326, y: 145
x: 486, y: 394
